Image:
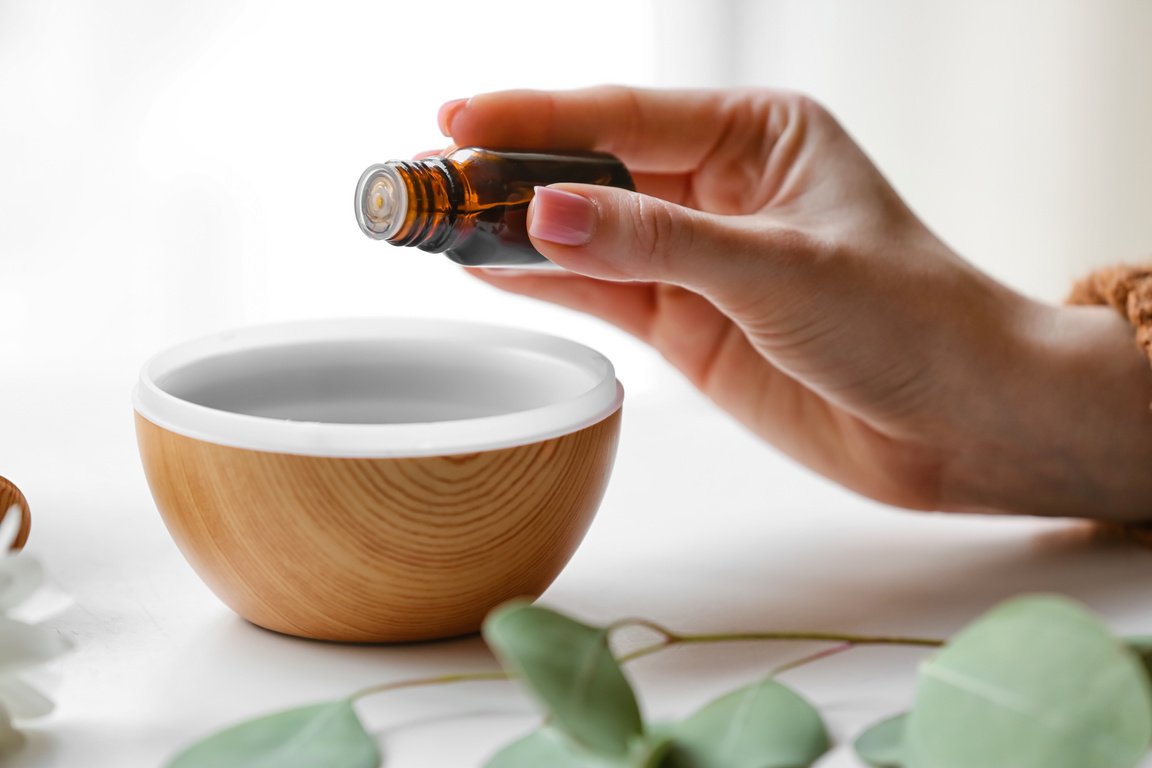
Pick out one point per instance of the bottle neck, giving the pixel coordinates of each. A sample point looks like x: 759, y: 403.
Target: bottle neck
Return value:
x: 415, y: 203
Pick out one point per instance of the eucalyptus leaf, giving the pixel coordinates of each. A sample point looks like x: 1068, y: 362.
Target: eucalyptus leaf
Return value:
x: 764, y: 725
x: 882, y: 745
x: 316, y: 736
x: 548, y: 747
x: 570, y: 668
x: 543, y: 747
x: 1037, y: 682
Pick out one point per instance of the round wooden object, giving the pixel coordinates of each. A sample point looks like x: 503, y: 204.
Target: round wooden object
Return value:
x: 9, y: 495
x: 372, y: 550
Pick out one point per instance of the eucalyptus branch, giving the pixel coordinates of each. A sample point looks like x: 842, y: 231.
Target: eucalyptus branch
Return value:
x: 829, y: 637
x: 811, y: 658
x: 570, y: 669
x: 818, y: 637
x: 460, y: 677
x: 669, y: 639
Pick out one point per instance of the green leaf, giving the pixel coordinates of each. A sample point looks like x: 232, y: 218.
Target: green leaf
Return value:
x: 550, y: 748
x: 544, y: 747
x: 1037, y: 682
x: 317, y: 736
x: 570, y: 668
x: 882, y: 745
x: 765, y: 725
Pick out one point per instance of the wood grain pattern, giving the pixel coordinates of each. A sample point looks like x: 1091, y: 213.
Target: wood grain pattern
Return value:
x: 9, y: 495
x: 373, y: 550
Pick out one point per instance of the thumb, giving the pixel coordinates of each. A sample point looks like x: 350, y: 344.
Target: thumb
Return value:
x: 616, y: 234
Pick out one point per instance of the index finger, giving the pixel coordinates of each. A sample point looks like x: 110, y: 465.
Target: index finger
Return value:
x: 660, y: 131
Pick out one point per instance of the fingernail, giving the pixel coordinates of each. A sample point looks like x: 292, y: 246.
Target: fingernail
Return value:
x: 428, y: 153
x: 447, y: 112
x: 561, y: 217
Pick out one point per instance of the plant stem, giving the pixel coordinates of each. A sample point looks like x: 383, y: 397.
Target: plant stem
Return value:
x: 462, y: 677
x: 831, y: 637
x: 645, y: 651
x: 669, y: 638
x: 811, y: 658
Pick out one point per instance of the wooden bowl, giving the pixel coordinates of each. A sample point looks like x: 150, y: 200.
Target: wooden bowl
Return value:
x: 377, y: 480
x: 11, y: 496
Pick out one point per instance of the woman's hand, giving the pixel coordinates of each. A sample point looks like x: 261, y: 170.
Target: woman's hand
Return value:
x: 767, y: 258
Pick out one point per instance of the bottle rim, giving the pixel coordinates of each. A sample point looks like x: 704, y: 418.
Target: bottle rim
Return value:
x: 386, y: 175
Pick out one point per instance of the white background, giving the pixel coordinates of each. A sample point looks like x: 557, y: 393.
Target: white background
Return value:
x: 172, y: 169
x: 1018, y: 129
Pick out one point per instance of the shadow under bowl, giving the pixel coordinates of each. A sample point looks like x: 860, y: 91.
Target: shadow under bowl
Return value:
x: 377, y: 480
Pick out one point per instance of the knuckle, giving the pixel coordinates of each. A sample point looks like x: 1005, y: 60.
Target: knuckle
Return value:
x: 812, y: 112
x: 655, y: 228
x: 802, y: 102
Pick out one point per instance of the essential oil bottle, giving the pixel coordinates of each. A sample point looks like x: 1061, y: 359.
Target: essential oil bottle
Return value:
x: 472, y: 205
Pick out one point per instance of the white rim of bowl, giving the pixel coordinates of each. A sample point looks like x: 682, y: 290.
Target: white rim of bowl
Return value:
x: 440, y: 438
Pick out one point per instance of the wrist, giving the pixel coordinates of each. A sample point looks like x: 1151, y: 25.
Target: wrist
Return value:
x: 1071, y: 426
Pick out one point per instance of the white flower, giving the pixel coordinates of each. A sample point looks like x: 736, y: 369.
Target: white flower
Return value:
x: 23, y: 646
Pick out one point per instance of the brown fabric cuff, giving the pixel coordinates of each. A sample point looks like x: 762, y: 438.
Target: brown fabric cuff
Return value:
x: 1128, y: 290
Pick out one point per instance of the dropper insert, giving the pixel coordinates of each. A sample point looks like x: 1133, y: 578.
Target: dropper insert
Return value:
x: 381, y: 202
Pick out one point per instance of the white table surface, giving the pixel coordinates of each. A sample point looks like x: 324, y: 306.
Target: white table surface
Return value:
x: 703, y: 529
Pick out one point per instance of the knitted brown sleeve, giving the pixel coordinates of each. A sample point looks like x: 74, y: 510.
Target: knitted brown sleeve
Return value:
x: 1128, y: 290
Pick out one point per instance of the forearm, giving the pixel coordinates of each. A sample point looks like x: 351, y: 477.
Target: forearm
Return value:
x: 1073, y: 434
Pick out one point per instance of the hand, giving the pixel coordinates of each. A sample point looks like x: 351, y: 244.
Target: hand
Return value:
x: 767, y: 259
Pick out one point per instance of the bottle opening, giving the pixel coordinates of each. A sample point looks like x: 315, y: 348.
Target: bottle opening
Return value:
x: 381, y: 202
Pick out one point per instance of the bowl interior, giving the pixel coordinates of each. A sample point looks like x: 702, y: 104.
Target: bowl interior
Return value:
x: 383, y: 381
x: 377, y: 388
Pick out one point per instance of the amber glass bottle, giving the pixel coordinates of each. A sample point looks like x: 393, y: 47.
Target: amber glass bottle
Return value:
x: 473, y: 204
